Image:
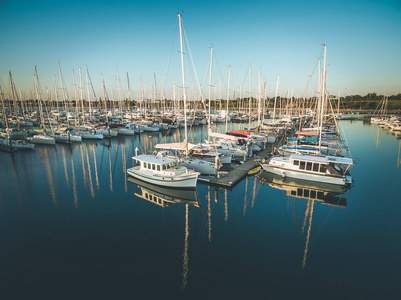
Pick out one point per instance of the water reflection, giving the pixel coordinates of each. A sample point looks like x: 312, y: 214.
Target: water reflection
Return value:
x: 399, y: 152
x: 49, y: 172
x: 327, y: 193
x: 311, y: 191
x: 163, y: 196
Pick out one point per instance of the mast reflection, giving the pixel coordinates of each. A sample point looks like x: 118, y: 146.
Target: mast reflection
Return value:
x: 328, y: 194
x: 49, y: 172
x: 165, y: 197
x: 74, y: 182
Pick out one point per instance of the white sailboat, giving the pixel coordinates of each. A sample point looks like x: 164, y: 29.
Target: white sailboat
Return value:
x: 320, y: 168
x: 162, y: 170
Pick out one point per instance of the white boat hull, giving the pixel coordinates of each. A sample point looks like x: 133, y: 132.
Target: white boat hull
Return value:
x: 90, y: 136
x: 73, y: 138
x: 198, y: 165
x: 187, y: 181
x: 306, y: 176
x: 42, y: 140
x: 126, y: 131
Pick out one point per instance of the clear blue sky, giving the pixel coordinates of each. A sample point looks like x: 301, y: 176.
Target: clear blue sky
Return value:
x: 283, y: 38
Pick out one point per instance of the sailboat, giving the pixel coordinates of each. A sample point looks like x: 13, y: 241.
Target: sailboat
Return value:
x: 320, y: 168
x: 162, y: 170
x: 197, y: 164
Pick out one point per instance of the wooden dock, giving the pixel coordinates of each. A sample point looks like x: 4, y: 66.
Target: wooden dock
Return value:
x: 237, y: 174
x: 233, y: 177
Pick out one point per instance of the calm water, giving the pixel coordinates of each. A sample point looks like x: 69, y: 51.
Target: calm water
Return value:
x: 72, y: 225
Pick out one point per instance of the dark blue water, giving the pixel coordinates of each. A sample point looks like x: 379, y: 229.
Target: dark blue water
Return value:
x: 72, y: 225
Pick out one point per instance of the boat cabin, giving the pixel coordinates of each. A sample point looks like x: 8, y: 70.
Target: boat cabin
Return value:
x: 336, y: 166
x: 156, y: 163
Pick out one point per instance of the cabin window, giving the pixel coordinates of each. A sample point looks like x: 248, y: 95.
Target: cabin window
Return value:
x: 316, y: 167
x: 299, y: 192
x: 306, y: 193
x: 164, y: 167
x: 153, y: 167
x: 320, y: 195
x: 323, y: 168
x: 158, y: 167
x: 296, y: 162
x: 293, y: 193
x: 313, y: 194
x: 144, y: 165
x: 308, y: 166
x: 302, y: 165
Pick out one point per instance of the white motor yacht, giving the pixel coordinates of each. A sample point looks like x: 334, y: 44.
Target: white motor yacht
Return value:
x: 164, y: 171
x: 326, y: 169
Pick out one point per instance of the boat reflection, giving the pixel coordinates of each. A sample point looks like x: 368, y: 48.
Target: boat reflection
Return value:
x: 329, y: 194
x: 163, y: 196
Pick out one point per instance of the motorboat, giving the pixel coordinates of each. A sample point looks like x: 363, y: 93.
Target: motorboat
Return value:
x: 326, y: 169
x: 163, y: 171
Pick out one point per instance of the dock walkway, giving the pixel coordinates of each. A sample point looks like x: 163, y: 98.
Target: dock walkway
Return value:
x: 237, y: 174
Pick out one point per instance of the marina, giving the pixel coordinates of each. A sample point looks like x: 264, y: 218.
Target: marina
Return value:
x: 200, y: 150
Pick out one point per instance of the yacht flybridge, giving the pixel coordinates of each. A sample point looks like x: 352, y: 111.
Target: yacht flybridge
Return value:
x: 164, y: 171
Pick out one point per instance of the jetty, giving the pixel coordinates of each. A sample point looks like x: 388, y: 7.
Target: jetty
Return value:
x: 233, y: 177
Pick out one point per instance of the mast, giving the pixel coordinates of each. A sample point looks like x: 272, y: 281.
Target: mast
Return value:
x: 80, y: 94
x: 14, y: 98
x: 183, y: 87
x: 250, y: 94
x: 322, y: 97
x: 259, y: 97
x: 65, y: 95
x: 39, y: 97
x: 210, y: 83
x: 76, y: 96
x: 228, y: 95
x: 129, y: 94
x: 87, y: 89
x: 275, y: 98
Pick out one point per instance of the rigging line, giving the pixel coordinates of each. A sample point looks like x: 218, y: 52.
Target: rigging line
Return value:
x: 171, y: 52
x: 206, y: 73
x: 193, y: 65
x: 246, y: 76
x: 221, y: 74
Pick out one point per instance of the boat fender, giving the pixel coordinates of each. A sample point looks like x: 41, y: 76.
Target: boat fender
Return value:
x: 283, y: 175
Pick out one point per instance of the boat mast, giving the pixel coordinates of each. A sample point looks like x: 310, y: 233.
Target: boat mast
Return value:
x: 259, y: 97
x: 81, y: 97
x: 210, y: 83
x: 183, y: 88
x: 228, y: 95
x: 275, y: 98
x: 322, y: 97
x: 250, y: 94
x: 87, y: 89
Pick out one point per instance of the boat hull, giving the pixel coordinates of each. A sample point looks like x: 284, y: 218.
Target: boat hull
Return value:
x: 43, y: 140
x: 188, y: 181
x: 306, y: 176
